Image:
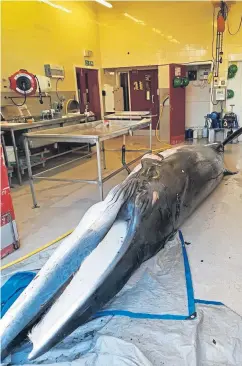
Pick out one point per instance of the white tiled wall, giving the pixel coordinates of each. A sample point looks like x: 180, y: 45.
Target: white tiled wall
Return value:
x: 197, y: 103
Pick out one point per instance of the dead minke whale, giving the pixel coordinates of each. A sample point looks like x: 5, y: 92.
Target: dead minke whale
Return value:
x: 113, y: 238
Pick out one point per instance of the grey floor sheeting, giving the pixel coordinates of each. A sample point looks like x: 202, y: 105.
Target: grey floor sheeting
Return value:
x: 131, y: 330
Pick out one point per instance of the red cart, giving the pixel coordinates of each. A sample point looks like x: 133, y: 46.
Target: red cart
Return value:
x: 9, y: 233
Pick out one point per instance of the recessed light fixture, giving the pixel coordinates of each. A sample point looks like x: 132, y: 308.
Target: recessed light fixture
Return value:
x: 55, y: 6
x: 105, y: 3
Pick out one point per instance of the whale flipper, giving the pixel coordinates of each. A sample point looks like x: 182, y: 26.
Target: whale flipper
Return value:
x: 229, y: 172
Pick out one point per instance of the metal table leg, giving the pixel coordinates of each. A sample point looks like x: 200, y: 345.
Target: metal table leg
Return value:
x: 5, y: 151
x: 124, y: 159
x: 31, y: 181
x: 16, y: 157
x: 103, y: 154
x: 124, y: 155
x: 6, y: 160
x: 99, y: 169
x: 150, y: 136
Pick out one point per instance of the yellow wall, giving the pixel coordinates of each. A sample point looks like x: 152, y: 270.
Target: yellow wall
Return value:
x: 167, y: 32
x: 34, y: 33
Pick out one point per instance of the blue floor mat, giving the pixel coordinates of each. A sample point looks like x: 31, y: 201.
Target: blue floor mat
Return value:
x: 13, y: 288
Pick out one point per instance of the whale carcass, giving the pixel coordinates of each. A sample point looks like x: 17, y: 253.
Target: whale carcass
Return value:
x: 114, y: 237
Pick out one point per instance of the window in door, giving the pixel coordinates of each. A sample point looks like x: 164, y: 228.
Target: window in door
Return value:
x: 124, y: 83
x: 78, y: 87
x: 87, y: 89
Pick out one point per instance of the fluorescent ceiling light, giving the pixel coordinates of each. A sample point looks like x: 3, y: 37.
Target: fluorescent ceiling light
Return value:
x: 156, y: 30
x: 134, y: 19
x: 173, y: 40
x: 105, y: 3
x: 55, y: 6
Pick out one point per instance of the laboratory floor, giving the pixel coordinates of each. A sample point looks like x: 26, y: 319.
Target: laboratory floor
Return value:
x: 213, y: 233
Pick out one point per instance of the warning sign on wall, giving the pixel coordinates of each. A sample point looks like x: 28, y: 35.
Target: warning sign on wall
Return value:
x: 177, y: 71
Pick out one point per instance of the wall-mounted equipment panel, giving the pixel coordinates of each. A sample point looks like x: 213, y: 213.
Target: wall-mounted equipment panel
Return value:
x: 220, y: 94
x: 54, y: 71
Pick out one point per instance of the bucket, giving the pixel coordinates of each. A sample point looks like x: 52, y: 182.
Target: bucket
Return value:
x: 205, y: 132
x: 195, y: 133
x: 188, y: 133
x: 211, y: 135
x: 200, y: 133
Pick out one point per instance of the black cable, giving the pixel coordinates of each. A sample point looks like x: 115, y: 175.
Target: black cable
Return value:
x: 240, y: 24
x: 40, y: 92
x: 168, y: 97
x: 213, y: 103
x: 224, y: 10
x: 19, y: 105
x: 227, y: 17
x: 57, y: 90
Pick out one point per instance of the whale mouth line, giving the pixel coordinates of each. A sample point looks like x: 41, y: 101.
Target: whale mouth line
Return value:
x: 55, y: 277
x: 76, y: 297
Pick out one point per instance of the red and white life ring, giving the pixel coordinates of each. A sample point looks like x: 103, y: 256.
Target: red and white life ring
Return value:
x: 23, y: 82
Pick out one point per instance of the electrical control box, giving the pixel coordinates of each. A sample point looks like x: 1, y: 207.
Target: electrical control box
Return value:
x: 203, y: 74
x: 192, y: 75
x: 220, y: 94
x: 44, y: 83
x: 220, y: 82
x: 54, y: 71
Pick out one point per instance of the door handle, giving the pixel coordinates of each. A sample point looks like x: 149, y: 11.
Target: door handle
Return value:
x: 152, y: 98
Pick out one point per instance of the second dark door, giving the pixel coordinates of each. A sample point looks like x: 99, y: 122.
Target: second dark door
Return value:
x: 177, y: 106
x: 144, y: 92
x: 88, y: 91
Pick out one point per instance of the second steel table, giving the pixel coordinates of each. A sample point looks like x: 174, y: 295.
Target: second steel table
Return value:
x: 92, y: 133
x: 13, y: 127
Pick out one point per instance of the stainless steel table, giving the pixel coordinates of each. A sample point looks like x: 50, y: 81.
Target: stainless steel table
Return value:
x: 13, y: 127
x: 92, y: 133
x: 128, y: 115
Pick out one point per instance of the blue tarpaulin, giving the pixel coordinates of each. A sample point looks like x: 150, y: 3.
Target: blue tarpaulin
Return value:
x: 14, y: 286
